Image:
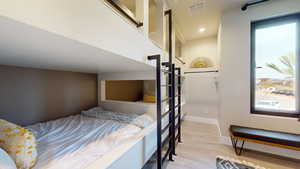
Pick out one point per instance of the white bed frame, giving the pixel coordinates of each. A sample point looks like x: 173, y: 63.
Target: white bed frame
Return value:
x: 131, y: 155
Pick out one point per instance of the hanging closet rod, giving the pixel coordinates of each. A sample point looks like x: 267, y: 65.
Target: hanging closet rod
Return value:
x: 245, y: 7
x: 212, y: 71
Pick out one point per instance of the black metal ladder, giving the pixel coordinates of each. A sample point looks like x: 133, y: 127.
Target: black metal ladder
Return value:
x: 169, y: 70
x: 178, y: 106
x: 176, y: 93
x: 169, y: 141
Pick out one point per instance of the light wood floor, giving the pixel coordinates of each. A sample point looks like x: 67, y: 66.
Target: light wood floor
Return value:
x: 201, y: 146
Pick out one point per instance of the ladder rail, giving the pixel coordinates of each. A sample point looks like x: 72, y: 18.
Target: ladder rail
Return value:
x: 178, y: 106
x: 169, y: 127
x: 158, y: 108
x: 168, y: 70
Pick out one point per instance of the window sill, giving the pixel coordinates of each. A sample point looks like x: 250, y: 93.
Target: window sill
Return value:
x: 277, y: 114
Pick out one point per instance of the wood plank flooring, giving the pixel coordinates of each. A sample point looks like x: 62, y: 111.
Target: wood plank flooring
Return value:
x: 201, y: 146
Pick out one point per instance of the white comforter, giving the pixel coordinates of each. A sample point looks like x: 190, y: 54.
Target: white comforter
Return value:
x: 139, y: 120
x: 77, y: 141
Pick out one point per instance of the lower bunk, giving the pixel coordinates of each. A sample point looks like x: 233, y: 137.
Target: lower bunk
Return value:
x: 95, y: 139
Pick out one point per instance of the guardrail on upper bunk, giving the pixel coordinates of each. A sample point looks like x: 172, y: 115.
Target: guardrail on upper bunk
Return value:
x: 125, y: 11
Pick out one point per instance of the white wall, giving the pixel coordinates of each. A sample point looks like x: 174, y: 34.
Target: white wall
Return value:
x: 206, y: 47
x: 200, y: 89
x: 201, y: 95
x: 219, y: 46
x: 235, y: 71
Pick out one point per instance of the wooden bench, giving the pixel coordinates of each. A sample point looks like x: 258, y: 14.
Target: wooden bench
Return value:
x: 260, y: 136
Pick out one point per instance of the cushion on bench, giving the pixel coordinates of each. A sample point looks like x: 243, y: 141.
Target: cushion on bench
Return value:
x: 281, y: 138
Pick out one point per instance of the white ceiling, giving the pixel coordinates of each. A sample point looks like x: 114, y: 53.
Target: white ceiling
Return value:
x: 26, y: 46
x: 208, y: 17
x: 131, y: 4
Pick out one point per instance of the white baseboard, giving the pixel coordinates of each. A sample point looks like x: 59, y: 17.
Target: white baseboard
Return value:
x: 265, y: 148
x: 201, y: 120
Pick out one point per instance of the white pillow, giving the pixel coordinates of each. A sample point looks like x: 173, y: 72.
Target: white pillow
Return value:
x: 93, y: 112
x: 5, y: 161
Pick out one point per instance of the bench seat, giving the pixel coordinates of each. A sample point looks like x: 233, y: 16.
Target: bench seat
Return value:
x: 268, y: 137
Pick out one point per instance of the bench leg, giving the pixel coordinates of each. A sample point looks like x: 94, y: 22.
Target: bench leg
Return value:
x: 238, y: 150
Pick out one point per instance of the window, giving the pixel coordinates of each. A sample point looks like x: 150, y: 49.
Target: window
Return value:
x: 274, y: 69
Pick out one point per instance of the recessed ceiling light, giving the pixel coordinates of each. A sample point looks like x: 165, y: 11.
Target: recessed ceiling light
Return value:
x: 201, y: 30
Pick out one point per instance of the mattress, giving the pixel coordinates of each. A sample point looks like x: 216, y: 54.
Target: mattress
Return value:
x: 77, y: 141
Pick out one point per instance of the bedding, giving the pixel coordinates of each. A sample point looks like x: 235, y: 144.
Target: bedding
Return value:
x: 77, y: 141
x: 139, y: 120
x: 5, y: 161
x: 19, y: 143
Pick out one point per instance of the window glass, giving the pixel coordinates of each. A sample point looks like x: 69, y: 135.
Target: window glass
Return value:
x: 275, y: 68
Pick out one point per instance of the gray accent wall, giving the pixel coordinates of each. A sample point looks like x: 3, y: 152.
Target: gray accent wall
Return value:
x: 28, y: 96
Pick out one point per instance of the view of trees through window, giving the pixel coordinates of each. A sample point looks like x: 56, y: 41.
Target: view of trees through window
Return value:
x: 275, y: 71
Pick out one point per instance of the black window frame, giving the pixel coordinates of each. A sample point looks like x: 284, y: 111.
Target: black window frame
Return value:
x: 264, y: 24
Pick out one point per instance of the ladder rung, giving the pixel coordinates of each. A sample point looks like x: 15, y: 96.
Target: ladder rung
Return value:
x: 177, y: 116
x: 177, y: 137
x: 167, y: 99
x: 166, y: 113
x: 177, y: 126
x: 165, y: 141
x: 166, y: 64
x: 166, y: 85
x: 166, y: 71
x: 166, y: 155
x: 165, y: 129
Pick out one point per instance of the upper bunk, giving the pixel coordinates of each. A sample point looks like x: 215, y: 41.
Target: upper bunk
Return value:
x: 70, y: 35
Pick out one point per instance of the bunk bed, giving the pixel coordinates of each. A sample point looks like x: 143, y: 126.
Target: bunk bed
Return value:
x: 89, y: 55
x: 100, y: 140
x: 139, y: 143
